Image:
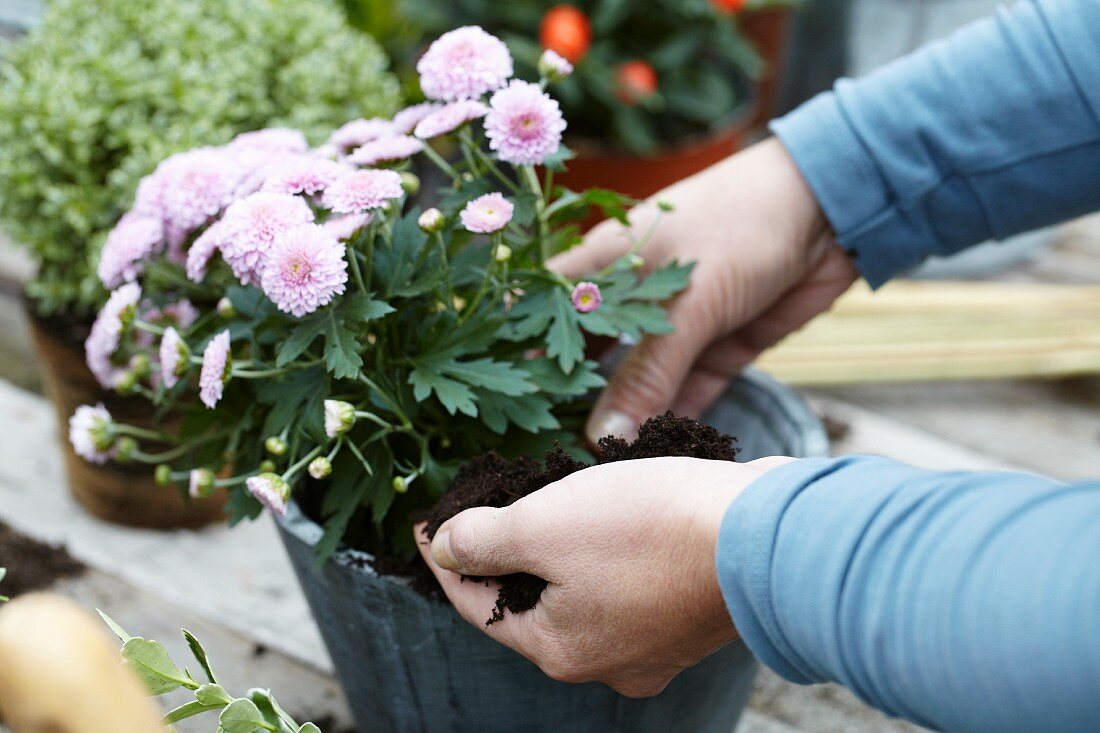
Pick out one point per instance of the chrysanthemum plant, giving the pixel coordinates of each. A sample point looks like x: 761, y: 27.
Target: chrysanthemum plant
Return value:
x: 303, y: 328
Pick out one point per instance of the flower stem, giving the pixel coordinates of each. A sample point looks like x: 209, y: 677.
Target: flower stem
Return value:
x: 442, y: 164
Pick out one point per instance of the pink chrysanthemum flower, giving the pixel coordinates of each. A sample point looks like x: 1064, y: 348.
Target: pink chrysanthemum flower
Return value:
x: 554, y: 66
x: 487, y: 214
x: 360, y: 132
x: 203, y: 248
x: 343, y: 227
x: 133, y: 239
x: 524, y: 125
x: 405, y: 121
x: 463, y: 64
x: 91, y: 434
x: 587, y: 297
x: 386, y: 150
x: 174, y: 356
x: 304, y: 174
x: 251, y: 226
x: 274, y: 139
x: 188, y: 189
x: 214, y: 374
x: 363, y: 190
x: 449, y: 118
x: 106, y: 332
x: 270, y: 490
x: 305, y: 269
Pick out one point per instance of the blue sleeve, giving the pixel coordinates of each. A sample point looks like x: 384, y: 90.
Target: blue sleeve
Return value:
x: 962, y: 601
x: 989, y: 133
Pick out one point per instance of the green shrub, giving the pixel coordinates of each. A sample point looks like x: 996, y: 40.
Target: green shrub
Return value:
x: 100, y: 92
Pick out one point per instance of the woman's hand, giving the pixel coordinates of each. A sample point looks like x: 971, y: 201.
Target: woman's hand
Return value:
x: 629, y: 552
x: 767, y: 264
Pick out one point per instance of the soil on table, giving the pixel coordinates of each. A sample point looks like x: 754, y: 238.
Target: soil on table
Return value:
x: 490, y: 480
x: 32, y: 565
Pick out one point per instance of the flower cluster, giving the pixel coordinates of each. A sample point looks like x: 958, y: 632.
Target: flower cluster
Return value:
x: 304, y: 327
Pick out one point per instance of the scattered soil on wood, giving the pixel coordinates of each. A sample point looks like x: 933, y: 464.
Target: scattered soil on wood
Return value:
x: 490, y: 480
x: 32, y: 565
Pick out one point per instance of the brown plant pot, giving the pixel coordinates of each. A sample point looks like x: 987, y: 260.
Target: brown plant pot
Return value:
x: 122, y: 494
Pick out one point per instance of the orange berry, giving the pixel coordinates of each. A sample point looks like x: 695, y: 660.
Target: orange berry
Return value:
x: 729, y: 7
x: 566, y: 29
x: 636, y: 80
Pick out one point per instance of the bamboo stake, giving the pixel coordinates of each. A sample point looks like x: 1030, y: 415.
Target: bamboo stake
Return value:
x: 911, y: 331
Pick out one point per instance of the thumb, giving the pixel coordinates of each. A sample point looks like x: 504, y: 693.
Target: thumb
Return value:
x: 482, y: 541
x: 648, y: 379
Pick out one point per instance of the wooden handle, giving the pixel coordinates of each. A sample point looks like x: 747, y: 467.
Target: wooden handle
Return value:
x: 59, y: 673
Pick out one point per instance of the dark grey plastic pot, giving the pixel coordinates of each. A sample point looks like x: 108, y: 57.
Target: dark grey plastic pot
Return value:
x: 410, y: 665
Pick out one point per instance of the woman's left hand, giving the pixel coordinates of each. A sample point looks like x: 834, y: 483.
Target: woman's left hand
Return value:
x: 628, y: 549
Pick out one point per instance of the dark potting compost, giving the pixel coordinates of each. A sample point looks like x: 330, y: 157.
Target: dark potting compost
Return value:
x: 32, y: 565
x: 493, y: 481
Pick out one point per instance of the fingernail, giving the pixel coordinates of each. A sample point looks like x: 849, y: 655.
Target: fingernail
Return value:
x: 441, y: 550
x: 613, y: 423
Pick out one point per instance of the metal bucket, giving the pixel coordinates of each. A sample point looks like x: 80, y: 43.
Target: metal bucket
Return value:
x: 410, y: 665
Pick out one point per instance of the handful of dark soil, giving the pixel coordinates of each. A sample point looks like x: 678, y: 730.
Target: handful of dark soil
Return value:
x: 490, y: 480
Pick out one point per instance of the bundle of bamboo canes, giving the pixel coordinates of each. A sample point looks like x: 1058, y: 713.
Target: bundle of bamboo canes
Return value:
x: 923, y: 331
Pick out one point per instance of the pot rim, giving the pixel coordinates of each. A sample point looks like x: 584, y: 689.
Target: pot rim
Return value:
x: 785, y: 401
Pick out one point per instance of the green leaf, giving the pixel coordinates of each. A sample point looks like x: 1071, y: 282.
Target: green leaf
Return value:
x: 122, y: 635
x: 342, y: 349
x: 454, y: 395
x: 150, y: 660
x: 213, y: 695
x: 529, y: 412
x: 242, y: 716
x: 188, y: 710
x: 200, y: 655
x: 361, y: 308
x: 300, y: 338
x: 612, y: 203
x: 309, y: 728
x: 3, y: 573
x: 552, y: 380
x: 530, y: 317
x: 498, y: 376
x: 662, y: 284
x: 564, y: 340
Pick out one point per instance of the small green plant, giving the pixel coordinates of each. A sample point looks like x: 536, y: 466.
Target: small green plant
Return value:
x: 100, y: 92
x: 256, y: 711
x: 3, y: 573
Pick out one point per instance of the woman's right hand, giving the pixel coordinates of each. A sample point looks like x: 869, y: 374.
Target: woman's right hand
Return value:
x: 766, y: 264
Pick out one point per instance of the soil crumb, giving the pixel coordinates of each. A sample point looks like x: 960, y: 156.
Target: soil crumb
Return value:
x: 32, y: 565
x: 490, y: 480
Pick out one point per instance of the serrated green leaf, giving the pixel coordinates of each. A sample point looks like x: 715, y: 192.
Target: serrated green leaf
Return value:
x: 454, y: 395
x: 529, y: 412
x: 498, y: 376
x: 598, y: 324
x: 242, y: 716
x: 150, y: 660
x: 549, y: 377
x: 300, y: 338
x: 342, y: 348
x: 361, y: 308
x: 118, y: 631
x: 200, y: 655
x: 663, y: 283
x: 564, y: 340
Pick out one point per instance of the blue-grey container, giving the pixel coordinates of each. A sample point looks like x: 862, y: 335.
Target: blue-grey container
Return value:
x: 410, y: 665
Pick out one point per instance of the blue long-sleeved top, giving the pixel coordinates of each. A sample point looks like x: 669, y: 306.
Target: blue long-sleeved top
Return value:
x: 961, y: 601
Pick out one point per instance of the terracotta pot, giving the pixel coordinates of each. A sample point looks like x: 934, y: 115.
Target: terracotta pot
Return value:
x: 770, y: 32
x: 640, y: 177
x: 117, y: 493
